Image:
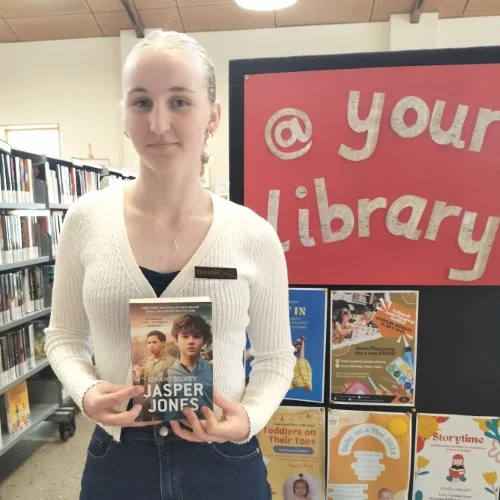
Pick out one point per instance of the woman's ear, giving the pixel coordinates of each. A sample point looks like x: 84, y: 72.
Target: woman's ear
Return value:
x: 215, y: 116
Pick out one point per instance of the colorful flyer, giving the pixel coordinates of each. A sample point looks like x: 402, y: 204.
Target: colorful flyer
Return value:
x: 293, y: 448
x: 374, y: 346
x: 368, y: 455
x: 308, y: 311
x: 457, y: 457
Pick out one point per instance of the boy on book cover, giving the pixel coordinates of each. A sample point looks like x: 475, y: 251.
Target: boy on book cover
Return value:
x: 191, y: 371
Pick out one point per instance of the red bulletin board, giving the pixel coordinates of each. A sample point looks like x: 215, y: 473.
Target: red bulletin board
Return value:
x: 414, y: 199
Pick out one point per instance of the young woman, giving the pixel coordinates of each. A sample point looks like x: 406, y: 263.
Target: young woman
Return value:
x: 144, y: 240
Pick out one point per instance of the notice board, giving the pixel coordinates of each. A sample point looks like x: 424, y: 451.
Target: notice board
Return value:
x: 382, y: 171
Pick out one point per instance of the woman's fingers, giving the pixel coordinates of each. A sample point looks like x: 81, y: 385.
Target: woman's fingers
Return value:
x: 113, y: 399
x: 184, y: 433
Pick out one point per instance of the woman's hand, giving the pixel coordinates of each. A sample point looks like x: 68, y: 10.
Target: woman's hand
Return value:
x: 233, y: 426
x: 99, y: 402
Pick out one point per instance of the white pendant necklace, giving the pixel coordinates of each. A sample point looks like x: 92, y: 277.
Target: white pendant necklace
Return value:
x: 174, y: 245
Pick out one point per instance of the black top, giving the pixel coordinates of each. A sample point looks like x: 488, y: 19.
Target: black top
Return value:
x: 159, y: 281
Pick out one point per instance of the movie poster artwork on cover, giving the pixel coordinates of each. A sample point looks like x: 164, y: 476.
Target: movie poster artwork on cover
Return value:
x: 368, y: 455
x: 308, y: 312
x: 457, y: 457
x: 293, y: 449
x: 172, y: 356
x: 373, y: 345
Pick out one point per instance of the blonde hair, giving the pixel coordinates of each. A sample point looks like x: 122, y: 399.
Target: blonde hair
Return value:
x: 172, y: 41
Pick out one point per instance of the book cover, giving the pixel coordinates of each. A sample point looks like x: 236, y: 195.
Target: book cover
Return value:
x: 293, y: 449
x: 16, y: 408
x: 457, y: 457
x: 172, y: 356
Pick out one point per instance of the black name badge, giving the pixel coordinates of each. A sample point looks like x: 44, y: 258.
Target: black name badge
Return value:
x: 216, y: 273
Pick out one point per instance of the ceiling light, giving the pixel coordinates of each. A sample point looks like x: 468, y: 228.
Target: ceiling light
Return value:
x: 265, y: 4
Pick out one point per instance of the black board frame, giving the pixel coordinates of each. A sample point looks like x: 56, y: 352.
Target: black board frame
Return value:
x: 459, y: 326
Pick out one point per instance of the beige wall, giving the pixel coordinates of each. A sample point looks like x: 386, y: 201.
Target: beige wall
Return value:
x: 76, y: 83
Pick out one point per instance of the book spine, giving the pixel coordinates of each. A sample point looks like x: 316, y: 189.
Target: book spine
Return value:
x: 3, y: 195
x: 20, y: 180
x: 2, y: 381
x: 3, y: 291
x: 13, y: 187
x: 7, y: 251
x: 30, y: 331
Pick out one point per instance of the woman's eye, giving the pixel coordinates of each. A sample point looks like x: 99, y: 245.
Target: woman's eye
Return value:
x: 142, y: 103
x: 180, y: 103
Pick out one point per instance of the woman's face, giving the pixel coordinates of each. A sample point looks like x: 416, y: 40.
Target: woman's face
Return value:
x: 167, y: 113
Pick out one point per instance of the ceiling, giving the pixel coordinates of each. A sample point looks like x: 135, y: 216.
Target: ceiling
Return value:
x: 26, y: 20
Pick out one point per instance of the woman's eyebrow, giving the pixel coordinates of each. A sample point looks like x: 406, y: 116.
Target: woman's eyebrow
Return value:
x: 175, y: 88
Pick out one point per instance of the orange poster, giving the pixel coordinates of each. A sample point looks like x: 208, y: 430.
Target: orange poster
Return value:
x: 368, y: 455
x: 293, y: 448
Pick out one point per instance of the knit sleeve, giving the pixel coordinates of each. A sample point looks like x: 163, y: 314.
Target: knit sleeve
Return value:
x: 68, y: 344
x: 268, y: 331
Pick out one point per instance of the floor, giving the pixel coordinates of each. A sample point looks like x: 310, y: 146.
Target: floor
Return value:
x: 42, y: 467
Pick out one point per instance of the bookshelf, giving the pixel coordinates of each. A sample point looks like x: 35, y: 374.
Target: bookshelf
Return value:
x: 36, y: 191
x: 25, y: 319
x: 40, y: 365
x: 39, y: 413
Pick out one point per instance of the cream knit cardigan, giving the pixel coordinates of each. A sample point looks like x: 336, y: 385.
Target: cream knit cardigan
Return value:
x: 96, y: 275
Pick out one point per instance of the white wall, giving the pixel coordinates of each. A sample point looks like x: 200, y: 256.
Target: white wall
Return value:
x: 76, y: 83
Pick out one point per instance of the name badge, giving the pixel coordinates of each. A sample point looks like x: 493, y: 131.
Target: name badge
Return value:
x: 216, y: 273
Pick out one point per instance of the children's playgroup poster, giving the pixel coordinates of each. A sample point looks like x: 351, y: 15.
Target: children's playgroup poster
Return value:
x: 368, y: 455
x: 373, y: 347
x: 457, y: 457
x: 293, y: 448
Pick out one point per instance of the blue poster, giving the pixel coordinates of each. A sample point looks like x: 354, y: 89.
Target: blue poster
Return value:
x: 308, y: 309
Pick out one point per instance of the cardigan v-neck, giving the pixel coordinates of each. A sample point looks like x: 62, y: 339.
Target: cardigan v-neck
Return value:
x: 133, y: 268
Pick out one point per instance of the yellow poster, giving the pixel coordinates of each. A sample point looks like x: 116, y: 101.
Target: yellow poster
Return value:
x: 368, y: 455
x: 293, y: 447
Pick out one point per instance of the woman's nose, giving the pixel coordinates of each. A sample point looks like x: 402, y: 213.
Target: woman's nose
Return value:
x: 160, y: 121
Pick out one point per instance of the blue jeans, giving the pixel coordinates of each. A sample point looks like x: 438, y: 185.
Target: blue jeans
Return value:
x: 145, y: 465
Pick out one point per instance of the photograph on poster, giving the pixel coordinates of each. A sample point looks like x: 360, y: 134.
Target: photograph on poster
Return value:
x: 293, y: 448
x: 368, y: 455
x: 373, y: 338
x: 456, y: 457
x: 308, y: 313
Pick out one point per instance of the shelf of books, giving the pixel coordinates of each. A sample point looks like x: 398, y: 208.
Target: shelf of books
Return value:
x: 38, y: 366
x: 35, y: 193
x: 26, y: 422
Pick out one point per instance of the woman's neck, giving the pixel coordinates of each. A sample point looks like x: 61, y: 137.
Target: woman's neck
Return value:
x: 171, y: 196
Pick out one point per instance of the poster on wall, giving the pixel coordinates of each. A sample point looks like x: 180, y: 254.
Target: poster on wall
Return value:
x: 457, y: 457
x: 373, y: 347
x: 308, y: 313
x: 293, y: 448
x: 368, y: 455
x: 356, y: 167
